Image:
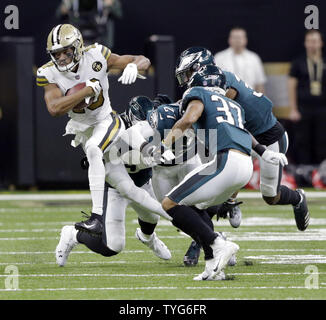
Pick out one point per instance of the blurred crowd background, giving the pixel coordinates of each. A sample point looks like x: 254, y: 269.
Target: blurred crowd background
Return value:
x: 266, y: 43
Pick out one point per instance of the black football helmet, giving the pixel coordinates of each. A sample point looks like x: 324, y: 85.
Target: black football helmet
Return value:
x: 190, y: 61
x: 208, y: 76
x: 139, y: 106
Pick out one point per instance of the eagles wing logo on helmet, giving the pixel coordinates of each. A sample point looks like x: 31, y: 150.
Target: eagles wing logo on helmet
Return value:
x: 153, y: 119
x: 62, y: 37
x: 190, y: 61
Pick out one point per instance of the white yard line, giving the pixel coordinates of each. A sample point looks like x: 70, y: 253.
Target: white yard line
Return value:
x: 99, y: 275
x: 52, y: 252
x: 150, y: 275
x: 308, y: 235
x: 153, y: 288
x: 90, y: 289
x: 86, y: 196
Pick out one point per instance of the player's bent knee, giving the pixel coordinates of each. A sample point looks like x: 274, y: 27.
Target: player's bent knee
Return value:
x: 93, y: 152
x: 117, y: 244
x: 109, y: 253
x: 270, y: 200
x: 125, y: 188
x: 115, y: 235
x: 149, y: 217
x: 268, y: 190
x: 168, y: 204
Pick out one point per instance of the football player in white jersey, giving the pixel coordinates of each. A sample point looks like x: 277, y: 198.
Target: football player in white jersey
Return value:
x: 94, y: 124
x: 122, y: 189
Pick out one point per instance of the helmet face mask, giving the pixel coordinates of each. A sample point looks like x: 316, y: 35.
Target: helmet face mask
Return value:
x: 190, y: 61
x: 63, y: 37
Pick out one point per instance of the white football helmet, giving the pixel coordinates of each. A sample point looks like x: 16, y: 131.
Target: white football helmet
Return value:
x: 65, y: 36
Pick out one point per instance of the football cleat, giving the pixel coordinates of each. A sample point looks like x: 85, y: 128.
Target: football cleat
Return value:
x: 192, y: 255
x: 301, y: 213
x: 233, y: 260
x: 67, y: 242
x: 92, y: 225
x: 155, y: 244
x: 231, y: 210
x: 205, y: 276
x: 222, y: 252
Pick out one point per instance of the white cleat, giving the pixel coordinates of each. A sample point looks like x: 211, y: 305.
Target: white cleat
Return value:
x: 223, y: 250
x: 233, y: 260
x: 67, y: 242
x: 207, y: 275
x: 155, y: 244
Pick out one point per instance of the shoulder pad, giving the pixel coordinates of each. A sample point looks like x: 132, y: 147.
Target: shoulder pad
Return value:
x: 91, y: 46
x: 47, y: 65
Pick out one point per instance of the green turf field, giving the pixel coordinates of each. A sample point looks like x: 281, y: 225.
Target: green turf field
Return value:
x: 275, y: 261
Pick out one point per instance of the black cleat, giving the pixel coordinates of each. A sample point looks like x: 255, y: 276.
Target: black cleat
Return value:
x: 192, y: 255
x: 92, y: 225
x: 301, y: 213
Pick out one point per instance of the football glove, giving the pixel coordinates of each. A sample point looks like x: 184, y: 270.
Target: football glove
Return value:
x: 274, y: 157
x: 129, y: 74
x: 158, y: 154
x: 96, y: 86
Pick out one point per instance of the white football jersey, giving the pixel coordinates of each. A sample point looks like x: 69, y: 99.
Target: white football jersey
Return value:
x: 93, y: 65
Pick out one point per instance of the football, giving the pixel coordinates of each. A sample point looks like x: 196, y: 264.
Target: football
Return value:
x: 75, y: 89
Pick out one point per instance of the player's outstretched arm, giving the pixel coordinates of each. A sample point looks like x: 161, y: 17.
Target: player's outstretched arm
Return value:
x: 130, y: 66
x: 116, y: 61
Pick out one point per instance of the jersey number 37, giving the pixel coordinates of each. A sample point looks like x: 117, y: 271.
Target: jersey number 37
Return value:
x: 234, y: 118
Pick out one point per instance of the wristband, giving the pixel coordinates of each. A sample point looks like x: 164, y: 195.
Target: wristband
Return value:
x: 260, y: 149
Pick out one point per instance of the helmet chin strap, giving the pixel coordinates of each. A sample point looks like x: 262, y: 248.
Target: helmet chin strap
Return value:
x: 69, y: 66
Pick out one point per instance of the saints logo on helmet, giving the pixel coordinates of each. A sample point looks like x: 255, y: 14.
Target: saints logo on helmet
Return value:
x: 190, y: 61
x: 62, y: 37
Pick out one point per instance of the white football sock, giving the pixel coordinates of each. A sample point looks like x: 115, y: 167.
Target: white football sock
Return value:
x: 96, y: 178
